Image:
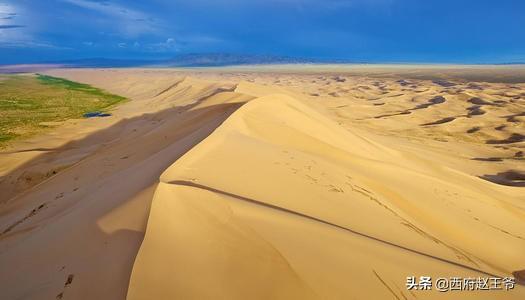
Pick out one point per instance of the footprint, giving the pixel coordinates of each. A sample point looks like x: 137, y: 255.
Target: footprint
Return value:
x: 69, y: 280
x: 29, y: 215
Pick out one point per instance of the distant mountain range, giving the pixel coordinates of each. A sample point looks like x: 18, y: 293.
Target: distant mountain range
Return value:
x: 225, y: 59
x: 197, y: 60
x: 193, y: 60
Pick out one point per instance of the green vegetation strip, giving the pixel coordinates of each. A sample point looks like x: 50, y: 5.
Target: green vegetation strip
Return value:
x: 27, y: 102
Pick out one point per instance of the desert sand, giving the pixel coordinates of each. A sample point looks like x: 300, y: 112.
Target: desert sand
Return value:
x: 283, y: 182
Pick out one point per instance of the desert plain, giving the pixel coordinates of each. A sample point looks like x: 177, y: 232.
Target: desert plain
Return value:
x: 272, y: 182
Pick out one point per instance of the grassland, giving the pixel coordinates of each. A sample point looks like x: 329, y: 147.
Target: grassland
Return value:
x: 28, y: 102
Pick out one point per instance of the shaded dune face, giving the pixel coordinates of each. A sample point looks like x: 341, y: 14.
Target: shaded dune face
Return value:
x: 433, y: 101
x: 510, y: 178
x: 268, y: 185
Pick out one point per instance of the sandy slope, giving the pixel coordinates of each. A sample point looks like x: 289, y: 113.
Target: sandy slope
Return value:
x: 289, y: 204
x: 321, y: 186
x: 88, y: 220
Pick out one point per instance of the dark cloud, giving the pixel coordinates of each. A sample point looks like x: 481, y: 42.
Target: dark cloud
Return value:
x: 11, y: 26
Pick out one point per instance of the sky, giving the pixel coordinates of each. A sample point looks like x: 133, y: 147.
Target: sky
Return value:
x: 440, y: 31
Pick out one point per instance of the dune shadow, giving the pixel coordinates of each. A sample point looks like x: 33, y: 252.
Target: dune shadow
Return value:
x: 405, y: 112
x: 24, y: 214
x: 474, y: 129
x: 48, y: 164
x: 475, y: 110
x: 513, y: 138
x: 440, y: 121
x: 508, y: 178
x: 520, y: 276
x: 434, y: 101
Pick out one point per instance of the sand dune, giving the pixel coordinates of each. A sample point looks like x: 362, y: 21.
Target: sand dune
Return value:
x: 300, y: 165
x: 88, y: 220
x: 269, y: 185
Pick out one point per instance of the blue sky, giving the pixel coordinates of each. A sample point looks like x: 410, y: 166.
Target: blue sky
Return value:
x: 466, y: 31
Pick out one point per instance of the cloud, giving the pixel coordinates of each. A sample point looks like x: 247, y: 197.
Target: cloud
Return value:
x: 169, y: 45
x: 300, y: 4
x: 129, y: 22
x: 25, y: 43
x: 18, y: 35
x: 7, y: 11
x: 11, y: 26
